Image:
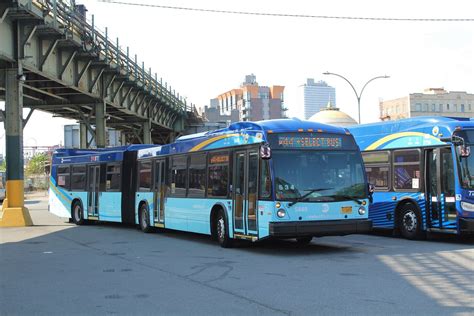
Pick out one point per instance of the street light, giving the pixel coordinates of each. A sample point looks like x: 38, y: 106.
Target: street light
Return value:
x: 358, y: 95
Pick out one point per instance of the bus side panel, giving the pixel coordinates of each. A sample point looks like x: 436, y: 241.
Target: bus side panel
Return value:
x: 193, y: 215
x: 110, y: 206
x: 382, y: 210
x: 60, y: 200
x: 265, y: 215
x: 129, y: 185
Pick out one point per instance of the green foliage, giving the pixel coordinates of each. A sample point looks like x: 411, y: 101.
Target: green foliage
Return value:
x: 36, y: 164
x: 3, y: 165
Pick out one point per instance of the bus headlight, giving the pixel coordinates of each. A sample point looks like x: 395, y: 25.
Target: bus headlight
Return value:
x: 281, y: 213
x: 468, y: 207
x: 361, y: 210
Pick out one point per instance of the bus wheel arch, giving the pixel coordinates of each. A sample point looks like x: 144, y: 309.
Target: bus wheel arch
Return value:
x: 144, y: 217
x: 408, y: 219
x: 220, y: 226
x: 77, y: 212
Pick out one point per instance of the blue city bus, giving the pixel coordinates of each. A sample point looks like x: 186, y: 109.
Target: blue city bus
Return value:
x: 423, y: 172
x: 281, y: 178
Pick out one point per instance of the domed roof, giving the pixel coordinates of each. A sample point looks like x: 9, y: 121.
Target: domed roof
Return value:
x: 332, y: 116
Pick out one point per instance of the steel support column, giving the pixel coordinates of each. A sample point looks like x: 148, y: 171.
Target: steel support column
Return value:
x: 100, y: 125
x: 14, y: 211
x: 147, y: 132
x: 83, y: 141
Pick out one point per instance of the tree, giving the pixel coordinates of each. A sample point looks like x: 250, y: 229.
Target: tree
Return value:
x: 36, y: 164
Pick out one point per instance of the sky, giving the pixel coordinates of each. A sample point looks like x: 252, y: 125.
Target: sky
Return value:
x: 202, y: 55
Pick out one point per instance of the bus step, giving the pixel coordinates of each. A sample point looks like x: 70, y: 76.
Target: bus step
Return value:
x: 246, y: 237
x: 442, y: 230
x: 160, y: 225
x: 93, y: 218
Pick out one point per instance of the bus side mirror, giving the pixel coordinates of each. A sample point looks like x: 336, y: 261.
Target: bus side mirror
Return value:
x: 371, y: 192
x: 265, y: 152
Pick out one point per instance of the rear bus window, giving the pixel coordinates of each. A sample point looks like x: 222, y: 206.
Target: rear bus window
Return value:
x: 113, y: 178
x: 178, y: 176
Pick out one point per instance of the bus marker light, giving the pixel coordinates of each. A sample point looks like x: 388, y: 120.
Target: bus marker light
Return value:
x: 281, y: 213
x: 362, y: 210
x: 364, y: 202
x: 278, y: 205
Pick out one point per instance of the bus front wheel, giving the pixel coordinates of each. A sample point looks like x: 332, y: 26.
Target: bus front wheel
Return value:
x: 222, y: 231
x: 410, y: 222
x: 144, y: 219
x: 78, y: 214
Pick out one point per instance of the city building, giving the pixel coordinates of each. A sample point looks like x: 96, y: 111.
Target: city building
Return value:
x: 250, y: 102
x: 315, y: 96
x: 72, y: 137
x: 432, y: 102
x: 333, y: 116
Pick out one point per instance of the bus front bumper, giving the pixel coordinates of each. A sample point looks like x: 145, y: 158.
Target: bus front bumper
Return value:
x: 320, y: 228
x: 466, y: 226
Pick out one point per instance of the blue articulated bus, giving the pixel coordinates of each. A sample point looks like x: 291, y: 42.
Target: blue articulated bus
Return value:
x: 2, y: 185
x: 281, y: 178
x: 423, y: 172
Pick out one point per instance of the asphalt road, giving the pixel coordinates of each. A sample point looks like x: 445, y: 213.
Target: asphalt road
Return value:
x: 56, y: 268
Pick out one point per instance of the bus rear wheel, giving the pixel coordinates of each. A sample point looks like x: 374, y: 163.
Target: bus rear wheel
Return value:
x: 78, y: 214
x: 144, y: 219
x: 222, y: 232
x: 410, y: 222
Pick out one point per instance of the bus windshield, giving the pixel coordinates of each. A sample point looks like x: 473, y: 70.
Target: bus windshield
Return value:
x: 467, y: 163
x: 318, y: 176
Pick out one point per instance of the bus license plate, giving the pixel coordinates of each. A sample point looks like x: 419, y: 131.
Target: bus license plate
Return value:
x: 346, y: 209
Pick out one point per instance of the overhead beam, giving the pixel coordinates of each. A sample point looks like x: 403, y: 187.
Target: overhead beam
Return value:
x: 68, y: 62
x: 45, y: 93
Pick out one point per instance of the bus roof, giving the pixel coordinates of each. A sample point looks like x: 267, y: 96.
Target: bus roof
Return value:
x: 240, y: 133
x: 110, y: 154
x: 412, y: 132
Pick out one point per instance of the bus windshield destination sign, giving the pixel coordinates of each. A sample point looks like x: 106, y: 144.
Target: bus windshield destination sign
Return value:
x: 287, y: 141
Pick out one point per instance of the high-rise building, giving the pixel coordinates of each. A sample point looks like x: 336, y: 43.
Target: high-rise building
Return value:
x: 432, y: 102
x: 316, y: 96
x: 250, y: 102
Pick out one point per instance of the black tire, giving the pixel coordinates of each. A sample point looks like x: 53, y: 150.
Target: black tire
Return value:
x: 409, y: 222
x: 144, y: 219
x: 302, y: 241
x: 222, y: 231
x: 77, y: 214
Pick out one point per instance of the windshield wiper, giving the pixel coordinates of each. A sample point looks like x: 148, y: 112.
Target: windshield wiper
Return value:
x: 304, y: 196
x: 347, y: 197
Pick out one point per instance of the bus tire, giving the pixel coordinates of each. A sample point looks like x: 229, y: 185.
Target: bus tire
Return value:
x: 302, y: 241
x: 409, y: 222
x: 222, y: 231
x: 145, y: 219
x: 78, y: 213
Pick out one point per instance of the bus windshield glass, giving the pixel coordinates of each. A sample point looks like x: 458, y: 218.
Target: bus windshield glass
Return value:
x: 318, y: 176
x: 467, y: 163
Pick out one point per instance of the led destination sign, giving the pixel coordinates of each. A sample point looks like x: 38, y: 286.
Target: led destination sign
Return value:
x: 309, y: 142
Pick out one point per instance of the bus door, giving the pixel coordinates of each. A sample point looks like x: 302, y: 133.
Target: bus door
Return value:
x: 159, y: 194
x: 93, y: 191
x: 244, y: 192
x: 440, y: 192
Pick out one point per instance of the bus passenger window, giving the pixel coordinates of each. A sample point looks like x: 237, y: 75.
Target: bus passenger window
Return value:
x: 197, y: 175
x: 218, y: 174
x: 406, y: 165
x: 178, y: 176
x: 144, y: 174
x: 78, y: 178
x: 113, y: 178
